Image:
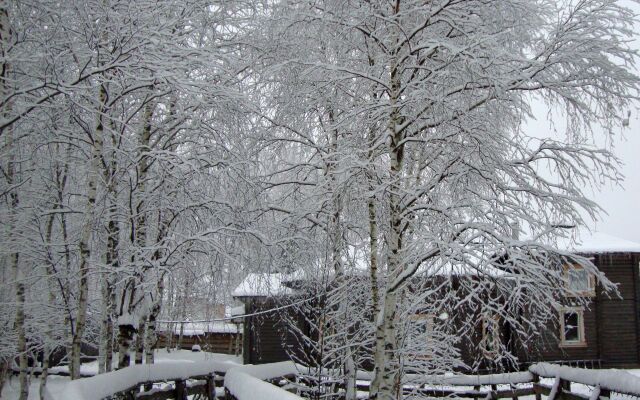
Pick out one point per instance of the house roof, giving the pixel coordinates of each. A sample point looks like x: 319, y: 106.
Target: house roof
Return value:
x: 598, y: 242
x: 200, y: 328
x: 590, y: 242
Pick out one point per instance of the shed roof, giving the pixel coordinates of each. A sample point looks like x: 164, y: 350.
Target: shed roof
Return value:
x: 263, y: 285
x: 200, y: 328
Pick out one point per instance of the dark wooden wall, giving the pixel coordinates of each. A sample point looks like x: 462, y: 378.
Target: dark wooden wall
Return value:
x: 266, y: 339
x: 612, y: 326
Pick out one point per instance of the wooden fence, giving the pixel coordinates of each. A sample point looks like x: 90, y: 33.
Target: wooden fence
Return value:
x: 602, y: 384
x: 211, y: 380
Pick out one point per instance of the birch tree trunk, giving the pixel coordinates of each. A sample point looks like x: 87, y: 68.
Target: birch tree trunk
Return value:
x: 112, y: 260
x: 140, y: 339
x: 10, y: 174
x: 171, y: 313
x: 106, y: 326
x: 85, y: 236
x: 61, y: 179
x: 139, y: 235
x: 4, y: 370
x: 386, y: 382
x: 45, y: 370
x: 151, y: 338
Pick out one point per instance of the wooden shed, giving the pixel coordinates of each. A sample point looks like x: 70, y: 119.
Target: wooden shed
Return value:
x: 214, y: 337
x: 267, y: 335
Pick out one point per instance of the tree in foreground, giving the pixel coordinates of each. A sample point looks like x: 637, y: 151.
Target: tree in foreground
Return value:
x: 431, y: 97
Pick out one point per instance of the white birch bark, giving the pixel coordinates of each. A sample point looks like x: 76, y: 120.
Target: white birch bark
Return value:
x: 386, y: 382
x: 14, y: 257
x: 85, y: 235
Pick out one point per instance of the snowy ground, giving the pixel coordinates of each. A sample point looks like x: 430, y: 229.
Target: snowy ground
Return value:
x: 12, y: 386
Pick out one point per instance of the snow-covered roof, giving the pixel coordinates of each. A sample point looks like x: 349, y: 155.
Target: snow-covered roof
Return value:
x: 598, y: 242
x: 268, y: 285
x: 263, y: 284
x: 200, y: 328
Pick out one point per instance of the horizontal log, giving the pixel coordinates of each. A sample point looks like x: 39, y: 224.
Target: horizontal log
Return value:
x: 38, y: 372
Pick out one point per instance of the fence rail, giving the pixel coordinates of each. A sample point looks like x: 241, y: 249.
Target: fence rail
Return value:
x: 213, y: 380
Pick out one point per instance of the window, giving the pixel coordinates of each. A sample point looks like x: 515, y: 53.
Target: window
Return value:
x: 572, y: 327
x: 490, y: 342
x: 578, y: 281
x: 420, y: 341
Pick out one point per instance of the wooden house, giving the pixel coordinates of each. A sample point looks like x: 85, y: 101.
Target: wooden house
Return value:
x: 604, y: 333
x: 266, y: 335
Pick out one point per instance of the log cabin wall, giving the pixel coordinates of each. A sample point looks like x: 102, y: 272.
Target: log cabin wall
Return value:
x: 612, y: 326
x: 618, y: 317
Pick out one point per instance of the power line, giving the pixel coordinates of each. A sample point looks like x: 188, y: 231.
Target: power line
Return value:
x: 238, y: 316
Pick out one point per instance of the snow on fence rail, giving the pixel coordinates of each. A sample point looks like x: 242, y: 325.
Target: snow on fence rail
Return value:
x: 131, y: 378
x: 254, y: 382
x: 248, y: 382
x: 475, y: 380
x: 598, y: 384
x: 603, y: 380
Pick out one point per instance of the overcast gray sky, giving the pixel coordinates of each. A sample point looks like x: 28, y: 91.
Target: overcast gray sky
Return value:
x: 622, y: 204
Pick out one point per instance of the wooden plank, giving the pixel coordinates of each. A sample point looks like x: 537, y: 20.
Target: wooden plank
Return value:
x: 513, y: 393
x: 541, y: 389
x: 157, y: 394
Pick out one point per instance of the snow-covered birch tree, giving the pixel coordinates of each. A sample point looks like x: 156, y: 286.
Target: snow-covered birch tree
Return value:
x: 448, y: 86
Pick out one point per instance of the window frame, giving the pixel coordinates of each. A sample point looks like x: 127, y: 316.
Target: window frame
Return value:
x: 582, y: 341
x: 591, y: 282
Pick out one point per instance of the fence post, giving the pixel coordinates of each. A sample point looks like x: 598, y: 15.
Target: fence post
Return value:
x: 211, y: 387
x: 536, y: 389
x: 181, y: 392
x: 605, y: 394
x: 565, y: 386
x: 228, y: 395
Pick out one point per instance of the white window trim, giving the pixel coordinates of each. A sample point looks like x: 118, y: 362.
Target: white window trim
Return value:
x: 582, y: 342
x: 589, y: 292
